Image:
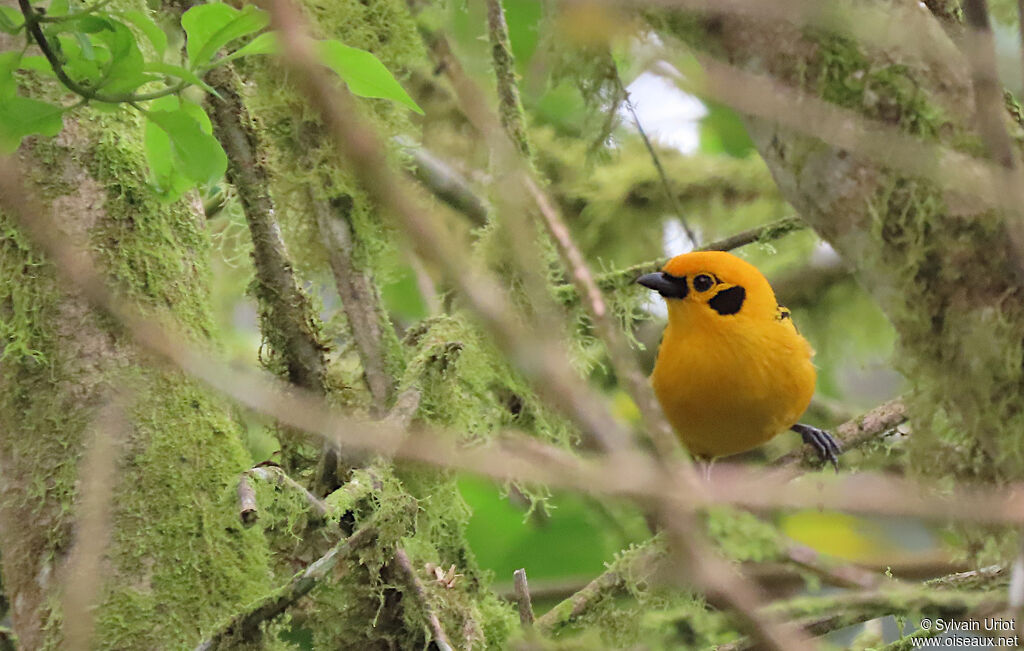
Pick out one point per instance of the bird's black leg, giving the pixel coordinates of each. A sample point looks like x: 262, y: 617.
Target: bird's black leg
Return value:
x: 826, y: 446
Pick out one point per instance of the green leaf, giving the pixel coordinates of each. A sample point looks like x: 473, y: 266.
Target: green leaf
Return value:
x: 196, y: 112
x: 364, y: 74
x: 265, y: 43
x: 145, y: 24
x: 57, y: 8
x: 76, y: 66
x: 181, y: 73
x: 203, y: 21
x: 125, y: 72
x: 251, y: 19
x: 722, y: 132
x: 9, y: 62
x: 90, y: 24
x: 11, y: 20
x: 197, y: 154
x: 169, y: 182
x: 36, y: 63
x: 85, y: 45
x: 21, y: 116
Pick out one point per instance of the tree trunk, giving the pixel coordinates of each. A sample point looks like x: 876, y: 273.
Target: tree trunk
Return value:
x: 176, y: 558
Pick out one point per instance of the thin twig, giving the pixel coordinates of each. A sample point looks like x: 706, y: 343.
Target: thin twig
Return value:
x: 614, y: 280
x: 840, y: 575
x: 245, y: 627
x: 32, y: 24
x: 523, y: 601
x: 420, y: 592
x: 672, y: 198
x: 824, y: 614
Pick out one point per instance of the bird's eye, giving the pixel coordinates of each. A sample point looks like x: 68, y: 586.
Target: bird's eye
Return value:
x: 703, y: 282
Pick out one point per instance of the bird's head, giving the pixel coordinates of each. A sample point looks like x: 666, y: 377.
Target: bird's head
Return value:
x: 711, y: 284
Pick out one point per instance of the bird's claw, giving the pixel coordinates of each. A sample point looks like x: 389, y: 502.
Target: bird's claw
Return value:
x: 827, y: 447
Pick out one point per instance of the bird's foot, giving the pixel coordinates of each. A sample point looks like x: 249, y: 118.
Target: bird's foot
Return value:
x: 822, y: 442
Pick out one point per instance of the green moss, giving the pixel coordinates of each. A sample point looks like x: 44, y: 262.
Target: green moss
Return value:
x: 178, y: 558
x: 468, y: 385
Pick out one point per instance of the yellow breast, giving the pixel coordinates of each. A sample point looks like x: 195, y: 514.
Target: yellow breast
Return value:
x: 729, y: 386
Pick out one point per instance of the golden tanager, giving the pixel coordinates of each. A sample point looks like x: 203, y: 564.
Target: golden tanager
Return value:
x: 732, y: 370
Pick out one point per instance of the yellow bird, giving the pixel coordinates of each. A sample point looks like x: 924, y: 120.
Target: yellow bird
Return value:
x: 732, y: 370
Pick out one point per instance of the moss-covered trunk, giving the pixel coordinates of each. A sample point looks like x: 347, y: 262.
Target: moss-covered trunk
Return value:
x: 177, y: 560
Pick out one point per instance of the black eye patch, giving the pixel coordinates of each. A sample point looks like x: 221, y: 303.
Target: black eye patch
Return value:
x: 728, y: 301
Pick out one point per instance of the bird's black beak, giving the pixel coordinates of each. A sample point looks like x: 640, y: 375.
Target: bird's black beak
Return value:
x: 665, y: 284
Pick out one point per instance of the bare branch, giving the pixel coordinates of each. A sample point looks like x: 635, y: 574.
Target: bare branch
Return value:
x: 523, y: 601
x: 359, y: 298
x: 248, y: 510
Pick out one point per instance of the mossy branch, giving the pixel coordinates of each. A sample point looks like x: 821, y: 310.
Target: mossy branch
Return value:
x: 510, y: 106
x: 447, y: 184
x: 246, y: 626
x: 287, y: 320
x: 821, y: 615
x: 360, y: 299
x: 635, y: 566
x: 852, y: 434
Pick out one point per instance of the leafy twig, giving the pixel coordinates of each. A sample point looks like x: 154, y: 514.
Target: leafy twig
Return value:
x: 32, y: 22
